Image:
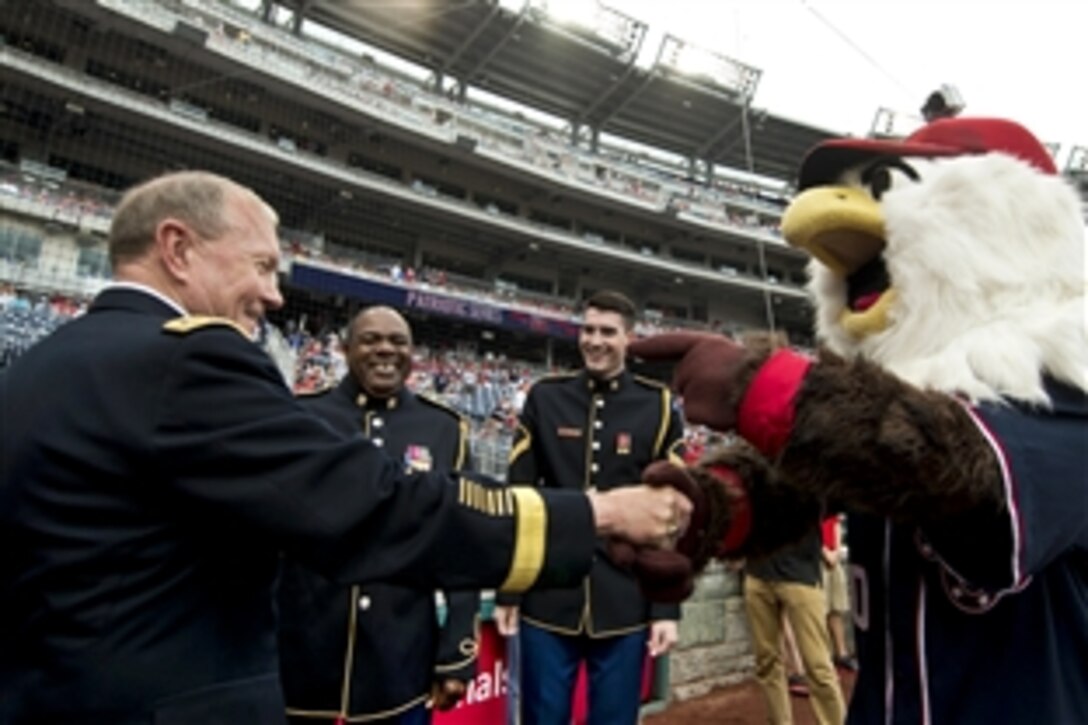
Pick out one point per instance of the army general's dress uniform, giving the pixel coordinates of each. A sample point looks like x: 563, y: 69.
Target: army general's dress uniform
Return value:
x: 578, y: 432
x: 372, y: 651
x: 153, y: 467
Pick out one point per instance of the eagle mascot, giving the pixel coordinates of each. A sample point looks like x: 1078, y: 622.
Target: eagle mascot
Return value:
x: 945, y: 412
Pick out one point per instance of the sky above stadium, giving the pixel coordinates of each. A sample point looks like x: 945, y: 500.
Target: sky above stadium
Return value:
x: 833, y: 63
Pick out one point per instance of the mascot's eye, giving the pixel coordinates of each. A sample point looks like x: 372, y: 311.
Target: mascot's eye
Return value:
x: 880, y: 181
x: 881, y: 176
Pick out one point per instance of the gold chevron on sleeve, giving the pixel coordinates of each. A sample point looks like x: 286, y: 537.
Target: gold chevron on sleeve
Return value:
x: 532, y: 525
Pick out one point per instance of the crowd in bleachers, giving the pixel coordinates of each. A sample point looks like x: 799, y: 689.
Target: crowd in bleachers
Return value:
x: 25, y: 318
x: 78, y: 205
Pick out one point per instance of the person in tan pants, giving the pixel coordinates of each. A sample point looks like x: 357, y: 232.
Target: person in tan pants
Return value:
x: 789, y: 583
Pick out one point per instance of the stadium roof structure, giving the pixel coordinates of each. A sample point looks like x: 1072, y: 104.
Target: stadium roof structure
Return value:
x: 588, y: 78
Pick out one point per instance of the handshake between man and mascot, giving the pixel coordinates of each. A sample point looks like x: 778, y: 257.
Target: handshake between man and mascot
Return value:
x: 814, y: 435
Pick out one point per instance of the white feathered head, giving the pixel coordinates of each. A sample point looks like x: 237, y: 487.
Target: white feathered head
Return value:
x: 954, y: 258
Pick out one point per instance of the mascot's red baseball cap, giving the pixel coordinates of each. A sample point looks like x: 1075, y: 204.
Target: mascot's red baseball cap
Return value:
x: 943, y: 137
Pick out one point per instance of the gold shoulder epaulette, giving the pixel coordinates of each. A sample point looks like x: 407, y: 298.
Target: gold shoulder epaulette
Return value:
x: 650, y: 382
x: 188, y: 323
x: 440, y: 405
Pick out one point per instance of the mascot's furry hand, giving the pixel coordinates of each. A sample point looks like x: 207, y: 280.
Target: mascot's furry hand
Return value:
x: 719, y: 521
x: 705, y: 375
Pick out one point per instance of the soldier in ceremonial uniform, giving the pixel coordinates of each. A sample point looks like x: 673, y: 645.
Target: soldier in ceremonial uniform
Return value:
x: 596, y: 429
x: 153, y: 465
x: 374, y: 652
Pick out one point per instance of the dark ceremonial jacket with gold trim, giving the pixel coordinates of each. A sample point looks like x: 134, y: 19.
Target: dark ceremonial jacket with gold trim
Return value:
x: 151, y: 472
x: 369, y: 651
x: 576, y: 432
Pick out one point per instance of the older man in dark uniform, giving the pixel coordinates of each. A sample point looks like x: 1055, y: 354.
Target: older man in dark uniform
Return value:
x: 375, y: 652
x: 594, y: 430
x: 154, y: 464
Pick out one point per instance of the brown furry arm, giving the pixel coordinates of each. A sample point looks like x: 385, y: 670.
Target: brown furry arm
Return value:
x: 780, y: 514
x: 865, y: 441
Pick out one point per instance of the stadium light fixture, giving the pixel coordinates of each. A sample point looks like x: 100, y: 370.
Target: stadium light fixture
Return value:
x: 945, y: 102
x: 707, y: 67
x: 621, y: 33
x: 889, y: 123
x: 571, y: 12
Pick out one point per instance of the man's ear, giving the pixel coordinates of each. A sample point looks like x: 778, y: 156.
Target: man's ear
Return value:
x: 174, y: 241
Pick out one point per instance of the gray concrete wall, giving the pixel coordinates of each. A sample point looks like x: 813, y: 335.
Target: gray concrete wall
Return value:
x: 715, y: 643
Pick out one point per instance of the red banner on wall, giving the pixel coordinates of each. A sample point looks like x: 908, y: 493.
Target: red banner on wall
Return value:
x: 484, y: 702
x: 485, y: 699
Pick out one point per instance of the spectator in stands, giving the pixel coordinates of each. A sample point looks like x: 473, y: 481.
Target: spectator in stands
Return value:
x: 375, y: 652
x: 594, y: 429
x: 789, y: 583
x: 20, y: 302
x: 154, y: 464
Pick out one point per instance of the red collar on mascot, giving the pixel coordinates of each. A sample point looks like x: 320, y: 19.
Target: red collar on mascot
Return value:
x: 943, y: 137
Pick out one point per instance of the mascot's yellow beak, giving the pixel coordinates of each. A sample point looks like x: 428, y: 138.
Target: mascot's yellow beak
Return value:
x: 838, y: 225
x: 843, y: 228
